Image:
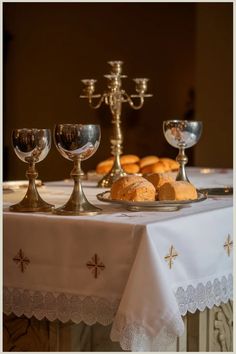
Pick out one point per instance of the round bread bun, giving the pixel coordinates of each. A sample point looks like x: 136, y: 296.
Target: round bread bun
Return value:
x: 158, y: 179
x: 125, y: 159
x: 158, y: 167
x: 120, y: 184
x: 130, y: 167
x: 148, y: 160
x: 177, y: 190
x: 139, y: 191
x: 170, y: 163
x: 104, y: 167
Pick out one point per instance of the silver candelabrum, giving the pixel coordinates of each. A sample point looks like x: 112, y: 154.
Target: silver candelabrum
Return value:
x: 114, y: 96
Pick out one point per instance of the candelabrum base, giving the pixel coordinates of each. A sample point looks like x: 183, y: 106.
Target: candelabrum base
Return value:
x: 110, y: 178
x: 29, y: 205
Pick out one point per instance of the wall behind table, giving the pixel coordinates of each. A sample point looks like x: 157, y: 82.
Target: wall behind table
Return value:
x: 50, y: 47
x: 214, y: 84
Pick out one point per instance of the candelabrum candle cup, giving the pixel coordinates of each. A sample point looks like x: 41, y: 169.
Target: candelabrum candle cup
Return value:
x: 77, y: 142
x: 31, y: 146
x: 182, y: 134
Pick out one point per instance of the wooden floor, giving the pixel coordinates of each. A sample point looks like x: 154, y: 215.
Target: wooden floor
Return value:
x: 208, y: 331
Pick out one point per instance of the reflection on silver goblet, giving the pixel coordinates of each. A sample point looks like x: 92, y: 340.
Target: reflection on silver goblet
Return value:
x: 182, y: 134
x: 31, y: 146
x: 77, y: 142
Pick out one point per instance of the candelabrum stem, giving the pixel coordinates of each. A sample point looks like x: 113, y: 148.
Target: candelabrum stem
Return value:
x: 117, y: 137
x: 116, y: 150
x: 183, y: 160
x: 32, y: 201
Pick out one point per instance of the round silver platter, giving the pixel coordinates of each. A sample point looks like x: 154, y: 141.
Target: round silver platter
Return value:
x: 164, y: 205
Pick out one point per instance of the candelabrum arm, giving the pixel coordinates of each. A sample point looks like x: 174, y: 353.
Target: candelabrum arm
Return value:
x: 131, y: 102
x: 99, y: 102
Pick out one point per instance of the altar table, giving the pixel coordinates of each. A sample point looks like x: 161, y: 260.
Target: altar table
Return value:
x: 137, y: 272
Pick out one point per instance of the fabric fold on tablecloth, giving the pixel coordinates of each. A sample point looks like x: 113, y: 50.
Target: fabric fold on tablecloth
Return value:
x: 157, y: 322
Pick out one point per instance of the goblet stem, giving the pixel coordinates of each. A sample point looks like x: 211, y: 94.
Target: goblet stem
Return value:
x: 32, y: 174
x: 183, y: 160
x: 78, y: 203
x: 77, y: 196
x: 32, y: 201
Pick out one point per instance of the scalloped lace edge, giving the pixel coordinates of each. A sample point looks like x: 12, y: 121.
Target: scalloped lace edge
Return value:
x: 205, y: 295
x: 135, y: 337
x: 59, y: 306
x: 132, y: 336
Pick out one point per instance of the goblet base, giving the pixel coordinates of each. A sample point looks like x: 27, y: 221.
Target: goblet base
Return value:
x: 25, y: 207
x: 87, y: 209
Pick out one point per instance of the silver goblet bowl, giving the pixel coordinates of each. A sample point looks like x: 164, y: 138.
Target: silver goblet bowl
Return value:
x: 31, y: 146
x: 182, y: 134
x: 77, y: 142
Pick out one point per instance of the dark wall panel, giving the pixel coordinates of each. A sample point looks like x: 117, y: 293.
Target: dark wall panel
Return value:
x: 51, y: 47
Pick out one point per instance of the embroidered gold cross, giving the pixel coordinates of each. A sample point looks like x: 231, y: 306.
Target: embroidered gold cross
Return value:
x: 228, y: 245
x: 95, y: 265
x: 171, y: 256
x: 22, y: 260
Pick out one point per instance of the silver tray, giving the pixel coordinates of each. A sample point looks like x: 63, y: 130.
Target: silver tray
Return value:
x: 164, y: 205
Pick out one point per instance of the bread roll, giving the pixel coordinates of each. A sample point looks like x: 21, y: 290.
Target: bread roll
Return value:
x: 170, y: 163
x: 104, y: 167
x: 125, y: 159
x: 131, y: 168
x: 148, y: 160
x: 177, y: 190
x: 119, y: 185
x: 158, y: 167
x: 158, y: 179
x: 133, y: 164
x: 139, y: 191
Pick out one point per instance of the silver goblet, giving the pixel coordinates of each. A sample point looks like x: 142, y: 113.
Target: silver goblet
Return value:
x: 31, y: 146
x: 182, y: 134
x: 77, y: 142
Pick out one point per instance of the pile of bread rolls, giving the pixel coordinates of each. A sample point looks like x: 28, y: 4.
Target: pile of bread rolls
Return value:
x: 153, y: 187
x: 133, y: 164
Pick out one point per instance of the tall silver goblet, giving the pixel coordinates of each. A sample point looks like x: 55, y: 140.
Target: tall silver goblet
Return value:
x: 182, y: 134
x: 31, y: 146
x: 77, y: 142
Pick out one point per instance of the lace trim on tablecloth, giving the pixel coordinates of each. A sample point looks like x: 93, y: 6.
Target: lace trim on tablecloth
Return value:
x: 132, y: 336
x: 135, y: 337
x: 203, y: 296
x: 63, y: 307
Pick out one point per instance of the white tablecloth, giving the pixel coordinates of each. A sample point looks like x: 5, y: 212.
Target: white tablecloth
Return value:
x: 115, y: 267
